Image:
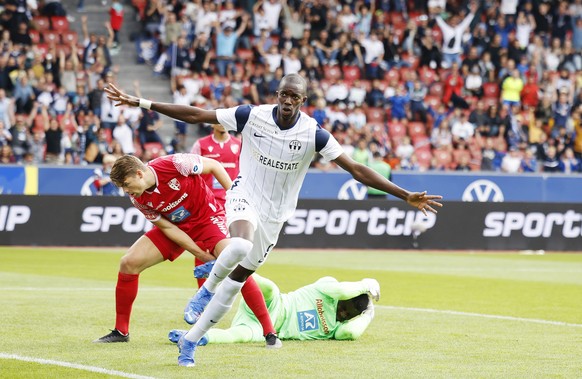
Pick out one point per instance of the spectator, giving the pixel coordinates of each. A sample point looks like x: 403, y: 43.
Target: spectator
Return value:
x: 404, y: 151
x: 400, y: 104
x: 511, y: 89
x: 374, y: 55
x: 464, y: 163
x: 452, y: 89
x: 551, y: 162
x: 562, y: 109
x: 116, y: 20
x: 461, y: 128
x: 529, y: 94
x: 6, y: 155
x: 490, y: 156
x: 568, y: 162
x: 441, y: 138
x: 5, y: 135
x: 381, y: 167
x: 529, y: 162
x: 124, y: 135
x: 362, y: 153
x: 202, y: 53
x: 24, y: 96
x: 148, y: 126
x: 226, y: 41
x: 474, y: 82
x: 453, y: 36
x: 337, y: 93
x: 53, y: 136
x: 511, y: 162
x: 293, y: 20
x: 417, y: 108
x: 101, y: 180
x: 357, y: 94
x: 21, y: 138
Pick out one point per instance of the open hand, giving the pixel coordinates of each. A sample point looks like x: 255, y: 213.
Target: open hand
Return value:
x: 424, y: 202
x: 121, y: 98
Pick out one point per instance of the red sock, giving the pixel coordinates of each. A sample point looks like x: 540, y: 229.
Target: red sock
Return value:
x: 198, y: 262
x: 256, y: 302
x: 125, y: 294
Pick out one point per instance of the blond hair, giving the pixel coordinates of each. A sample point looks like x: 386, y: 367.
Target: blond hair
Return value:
x: 125, y: 166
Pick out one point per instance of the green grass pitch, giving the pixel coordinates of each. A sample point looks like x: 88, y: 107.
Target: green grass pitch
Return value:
x: 441, y: 315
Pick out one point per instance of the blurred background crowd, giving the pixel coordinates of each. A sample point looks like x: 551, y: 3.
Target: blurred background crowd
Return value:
x: 493, y: 85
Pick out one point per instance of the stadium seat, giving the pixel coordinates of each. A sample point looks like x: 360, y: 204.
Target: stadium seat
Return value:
x: 59, y: 23
x: 433, y: 101
x: 351, y: 73
x: 245, y: 54
x: 436, y: 89
x: 66, y: 49
x: 427, y: 75
x: 51, y: 37
x: 70, y: 36
x: 437, y: 35
x: 331, y: 72
x: 34, y: 36
x: 490, y: 101
x: 490, y: 90
x: 458, y: 154
x: 421, y: 142
x: 392, y: 74
x: 42, y: 48
x: 423, y: 157
x: 154, y: 148
x: 416, y: 128
x: 396, y: 130
x: 443, y: 158
x: 41, y: 23
x: 375, y: 115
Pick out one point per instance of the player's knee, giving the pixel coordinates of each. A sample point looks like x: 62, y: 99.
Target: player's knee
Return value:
x: 240, y: 247
x: 129, y: 264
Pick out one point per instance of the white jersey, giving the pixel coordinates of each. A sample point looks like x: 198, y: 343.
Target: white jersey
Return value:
x: 273, y: 161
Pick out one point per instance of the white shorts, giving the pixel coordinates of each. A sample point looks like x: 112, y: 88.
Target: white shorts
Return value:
x: 266, y: 232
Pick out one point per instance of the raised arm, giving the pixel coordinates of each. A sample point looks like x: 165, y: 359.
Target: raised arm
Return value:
x: 355, y: 327
x: 371, y: 178
x: 186, y: 113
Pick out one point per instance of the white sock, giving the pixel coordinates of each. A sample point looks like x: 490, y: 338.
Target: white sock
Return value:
x: 229, y: 258
x: 216, y: 309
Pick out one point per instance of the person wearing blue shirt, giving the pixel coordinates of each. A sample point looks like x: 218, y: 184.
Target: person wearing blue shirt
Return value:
x: 225, y: 47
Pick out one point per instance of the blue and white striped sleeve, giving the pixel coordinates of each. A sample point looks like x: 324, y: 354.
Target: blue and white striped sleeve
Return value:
x: 235, y: 118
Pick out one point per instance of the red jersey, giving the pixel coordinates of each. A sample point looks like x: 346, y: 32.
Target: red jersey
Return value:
x: 180, y: 195
x: 227, y: 153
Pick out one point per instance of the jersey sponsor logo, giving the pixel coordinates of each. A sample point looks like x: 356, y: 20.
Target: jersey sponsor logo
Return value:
x: 175, y: 184
x: 264, y: 128
x: 307, y: 320
x: 275, y: 163
x: 319, y: 306
x: 12, y: 215
x: 295, y: 145
x: 375, y: 221
x: 533, y: 224
x: 102, y: 219
x: 483, y: 190
x: 179, y: 214
x: 175, y: 203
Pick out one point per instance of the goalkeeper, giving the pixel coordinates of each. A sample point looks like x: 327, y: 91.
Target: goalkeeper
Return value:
x: 326, y: 309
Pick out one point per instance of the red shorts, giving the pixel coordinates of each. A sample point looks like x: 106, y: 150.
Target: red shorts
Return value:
x: 206, y: 237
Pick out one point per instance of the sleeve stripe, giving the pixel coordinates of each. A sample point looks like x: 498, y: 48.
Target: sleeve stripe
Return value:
x: 321, y: 138
x: 242, y: 114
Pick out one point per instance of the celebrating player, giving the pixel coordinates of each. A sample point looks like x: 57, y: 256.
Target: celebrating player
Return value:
x: 224, y: 148
x: 279, y: 142
x: 326, y: 309
x: 171, y: 193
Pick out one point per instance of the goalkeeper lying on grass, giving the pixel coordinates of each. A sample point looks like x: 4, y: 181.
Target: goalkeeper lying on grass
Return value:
x: 326, y: 309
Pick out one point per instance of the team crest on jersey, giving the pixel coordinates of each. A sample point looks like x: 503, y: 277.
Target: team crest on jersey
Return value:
x: 307, y: 320
x: 210, y: 148
x: 174, y: 184
x: 295, y: 145
x: 234, y: 148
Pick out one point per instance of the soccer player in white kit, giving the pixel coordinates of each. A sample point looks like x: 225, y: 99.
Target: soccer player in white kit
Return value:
x: 279, y: 143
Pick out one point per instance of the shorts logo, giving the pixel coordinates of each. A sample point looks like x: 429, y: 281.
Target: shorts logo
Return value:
x: 174, y: 184
x: 179, y: 215
x: 295, y: 145
x: 308, y: 320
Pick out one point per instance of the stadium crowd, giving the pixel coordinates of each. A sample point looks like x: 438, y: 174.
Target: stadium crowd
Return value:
x: 493, y: 85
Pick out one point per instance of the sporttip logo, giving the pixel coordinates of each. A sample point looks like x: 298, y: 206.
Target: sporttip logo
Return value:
x: 101, y: 219
x: 394, y: 222
x: 12, y: 215
x: 532, y: 225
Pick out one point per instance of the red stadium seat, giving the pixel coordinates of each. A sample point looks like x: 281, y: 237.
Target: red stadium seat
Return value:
x: 427, y: 75
x: 490, y: 90
x: 490, y: 101
x: 154, y: 148
x: 34, y: 36
x: 436, y: 89
x: 51, y: 37
x: 392, y: 74
x: 59, y: 23
x: 459, y: 154
x: 332, y: 72
x: 443, y: 158
x: 416, y: 128
x: 423, y: 157
x: 433, y: 101
x: 396, y: 130
x: 70, y: 36
x: 245, y: 54
x: 41, y: 23
x: 421, y: 142
x: 375, y: 115
x: 351, y: 73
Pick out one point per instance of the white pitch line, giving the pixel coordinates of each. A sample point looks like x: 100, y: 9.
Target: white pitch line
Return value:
x: 74, y: 365
x: 498, y: 317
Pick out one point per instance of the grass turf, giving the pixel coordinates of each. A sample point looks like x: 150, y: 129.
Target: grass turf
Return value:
x: 54, y: 302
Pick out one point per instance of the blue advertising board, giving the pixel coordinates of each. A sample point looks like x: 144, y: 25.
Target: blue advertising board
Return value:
x: 477, y: 187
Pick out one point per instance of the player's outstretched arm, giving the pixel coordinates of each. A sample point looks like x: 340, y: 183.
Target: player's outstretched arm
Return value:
x: 355, y: 327
x: 365, y: 175
x: 186, y: 113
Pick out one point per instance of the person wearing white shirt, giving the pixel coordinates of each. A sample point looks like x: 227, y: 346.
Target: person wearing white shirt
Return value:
x: 279, y: 142
x: 374, y: 54
x: 453, y: 36
x: 124, y: 134
x: 462, y: 129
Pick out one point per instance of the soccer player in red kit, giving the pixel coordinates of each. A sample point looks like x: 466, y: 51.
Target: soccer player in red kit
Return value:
x: 224, y: 148
x: 171, y: 193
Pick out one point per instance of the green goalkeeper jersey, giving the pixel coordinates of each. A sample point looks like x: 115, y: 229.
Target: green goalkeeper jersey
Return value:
x: 310, y: 312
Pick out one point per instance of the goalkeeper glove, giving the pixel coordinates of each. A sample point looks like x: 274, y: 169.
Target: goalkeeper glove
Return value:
x: 373, y: 288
